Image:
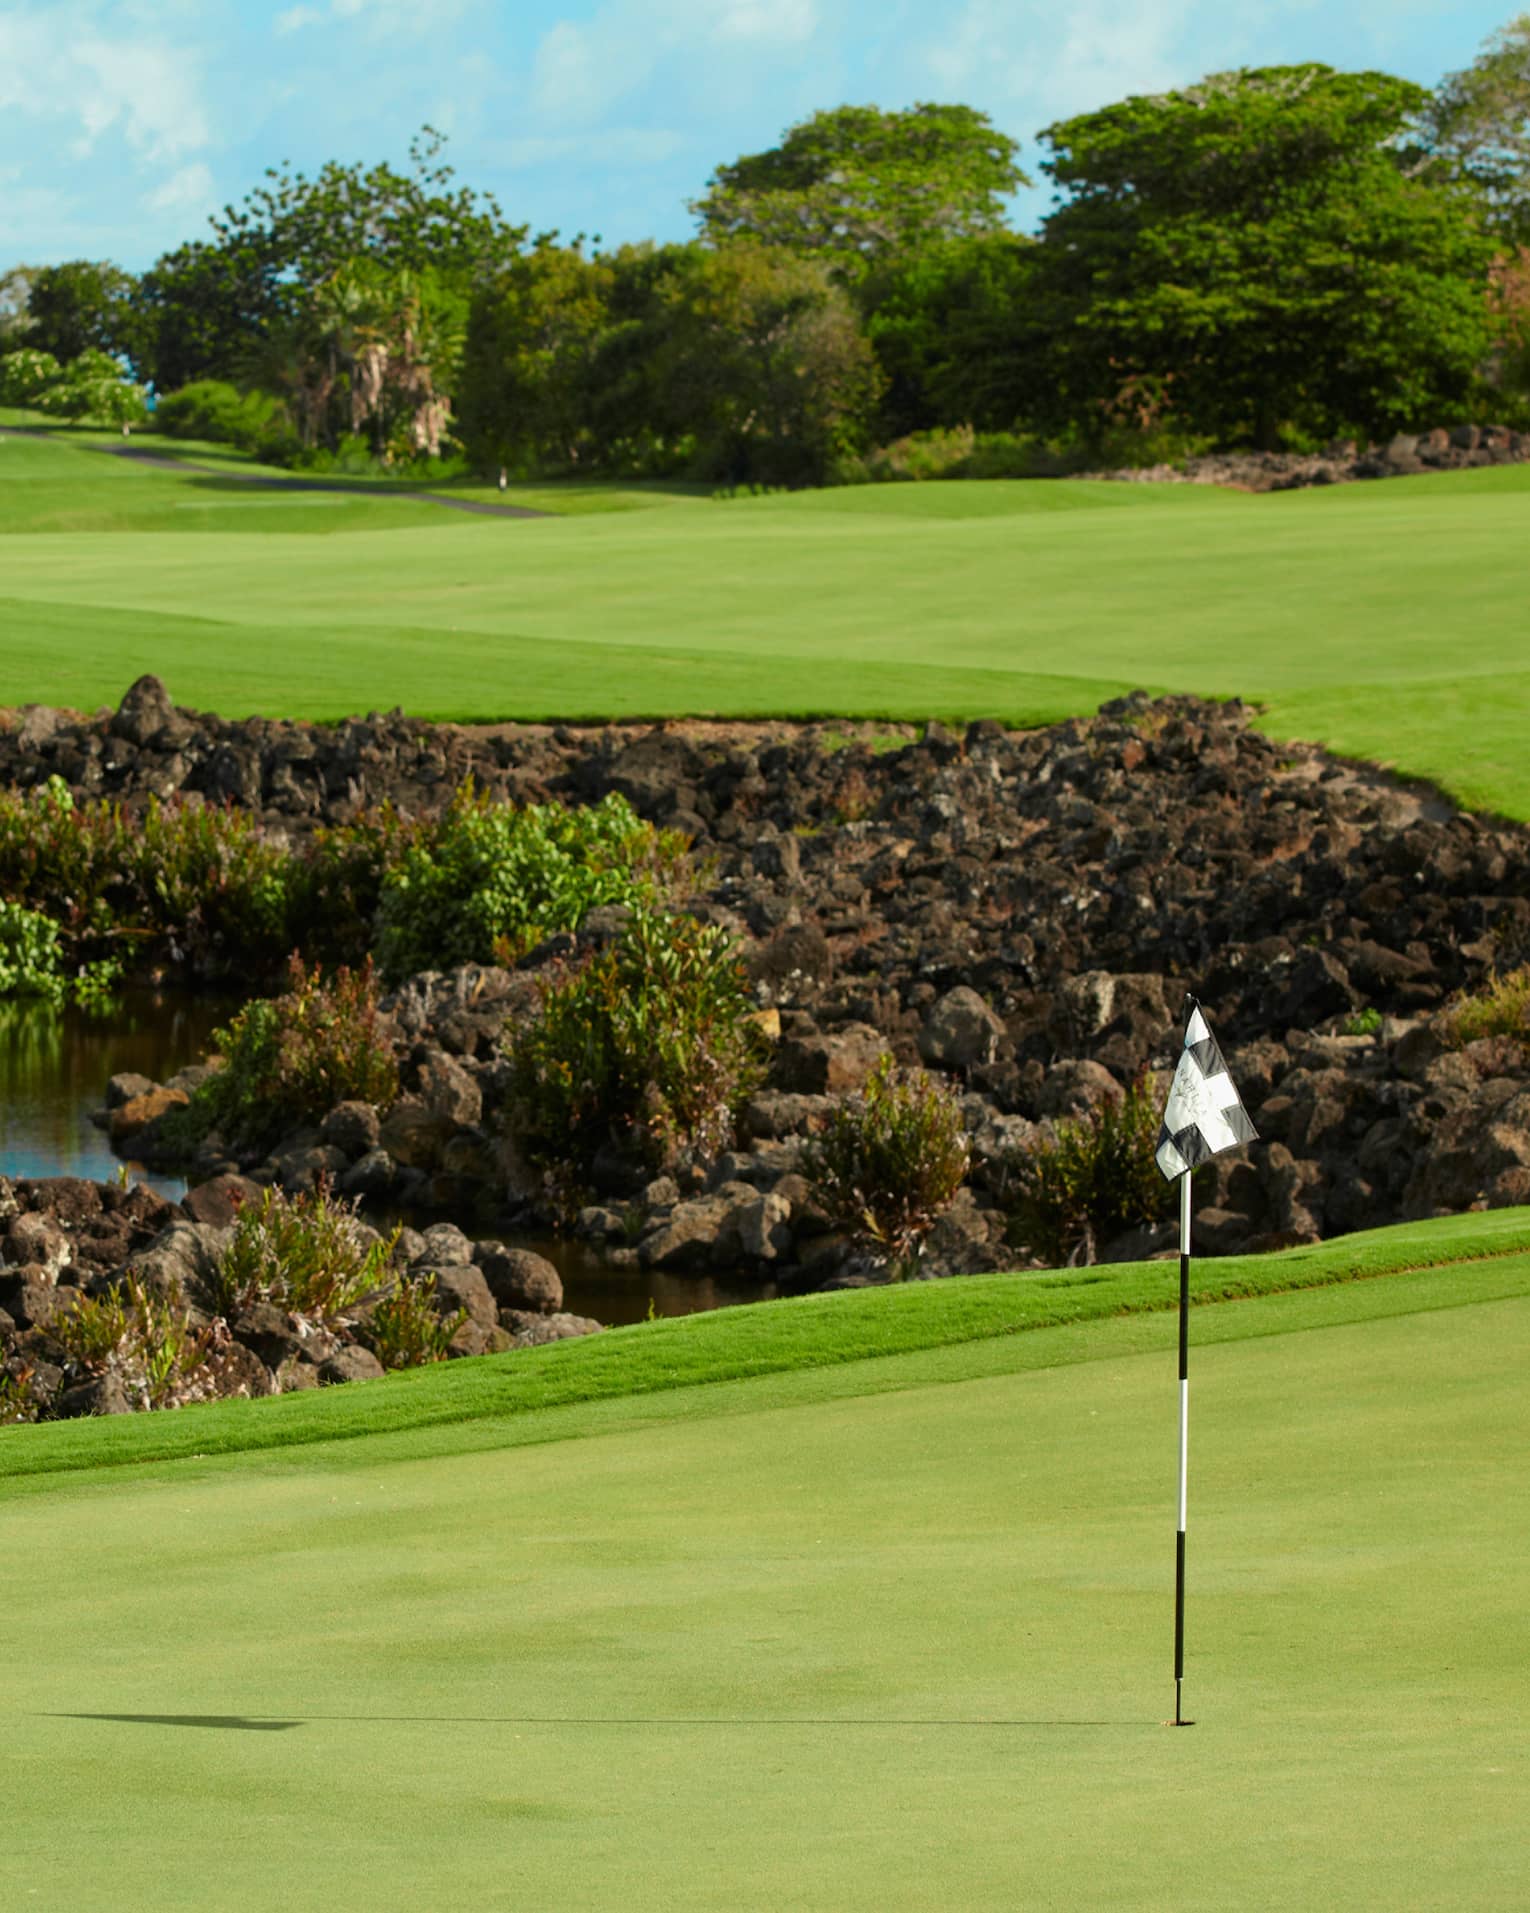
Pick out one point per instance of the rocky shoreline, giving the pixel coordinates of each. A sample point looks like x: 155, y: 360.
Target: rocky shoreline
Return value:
x: 1020, y: 913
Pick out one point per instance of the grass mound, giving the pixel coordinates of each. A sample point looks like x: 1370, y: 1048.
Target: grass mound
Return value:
x: 813, y: 1333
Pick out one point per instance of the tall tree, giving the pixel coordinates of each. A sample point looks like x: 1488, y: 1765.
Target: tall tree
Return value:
x: 86, y: 305
x: 855, y: 183
x: 15, y: 320
x: 1476, y: 126
x: 765, y: 365
x: 1258, y: 254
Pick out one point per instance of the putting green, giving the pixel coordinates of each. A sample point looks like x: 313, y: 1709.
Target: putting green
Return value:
x: 1385, y: 620
x: 894, y: 1649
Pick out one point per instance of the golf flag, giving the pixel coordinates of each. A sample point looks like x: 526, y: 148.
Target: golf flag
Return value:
x: 1203, y: 1116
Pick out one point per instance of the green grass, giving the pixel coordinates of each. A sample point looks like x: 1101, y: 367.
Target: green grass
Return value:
x: 891, y: 1634
x: 1385, y: 620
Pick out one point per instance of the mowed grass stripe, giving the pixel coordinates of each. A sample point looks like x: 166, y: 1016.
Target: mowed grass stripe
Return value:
x: 821, y: 1332
x: 1384, y: 619
x: 903, y: 1652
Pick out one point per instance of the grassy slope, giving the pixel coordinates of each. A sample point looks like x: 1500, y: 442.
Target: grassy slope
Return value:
x: 850, y: 1649
x: 1024, y: 601
x: 820, y: 1332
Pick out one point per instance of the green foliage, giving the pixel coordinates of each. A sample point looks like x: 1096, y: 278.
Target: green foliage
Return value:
x: 1256, y: 254
x: 85, y: 306
x: 289, y: 1059
x: 208, y: 880
x: 94, y: 386
x: 487, y: 881
x: 1366, y: 1023
x: 148, y: 1341
x: 765, y: 365
x: 889, y: 1161
x: 405, y: 1329
x: 308, y: 1254
x: 31, y: 963
x: 650, y: 1043
x: 214, y: 409
x: 1476, y: 129
x: 25, y: 374
x: 1093, y: 1180
x: 19, y: 1400
x: 855, y: 182
x: 1500, y: 1008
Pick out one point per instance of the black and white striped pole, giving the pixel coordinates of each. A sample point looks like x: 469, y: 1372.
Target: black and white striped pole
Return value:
x: 1202, y: 1117
x: 1184, y: 1448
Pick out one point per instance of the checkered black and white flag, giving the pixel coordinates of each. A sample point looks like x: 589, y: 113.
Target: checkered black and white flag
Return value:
x: 1204, y: 1114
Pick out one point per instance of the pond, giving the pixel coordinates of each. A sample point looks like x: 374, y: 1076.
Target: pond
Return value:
x: 54, y: 1066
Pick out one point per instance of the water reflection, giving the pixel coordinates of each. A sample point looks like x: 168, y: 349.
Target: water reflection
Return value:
x: 54, y: 1066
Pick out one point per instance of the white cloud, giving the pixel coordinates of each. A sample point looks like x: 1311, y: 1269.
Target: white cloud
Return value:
x: 779, y: 22
x: 53, y: 68
x: 582, y: 68
x: 616, y: 146
x: 189, y: 190
x: 295, y: 19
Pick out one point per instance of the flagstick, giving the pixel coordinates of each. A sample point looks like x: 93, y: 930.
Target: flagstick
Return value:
x: 1184, y: 1443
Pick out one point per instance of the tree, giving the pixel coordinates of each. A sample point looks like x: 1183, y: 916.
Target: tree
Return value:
x: 528, y: 387
x: 765, y: 365
x: 93, y: 386
x: 26, y: 374
x: 1255, y: 254
x: 15, y: 321
x: 86, y: 305
x: 1476, y: 127
x: 857, y: 183
x: 210, y: 303
x: 948, y: 324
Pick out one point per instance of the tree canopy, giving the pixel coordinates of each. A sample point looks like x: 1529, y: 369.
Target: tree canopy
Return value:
x: 856, y: 182
x: 1256, y: 254
x: 1477, y: 126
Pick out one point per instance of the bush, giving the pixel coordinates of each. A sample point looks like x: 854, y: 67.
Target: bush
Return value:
x: 289, y: 1059
x: 1500, y: 1008
x: 309, y: 1254
x: 146, y: 1340
x: 650, y: 1044
x: 1093, y: 1180
x: 213, y: 409
x: 405, y: 1330
x: 26, y: 374
x: 208, y: 881
x: 31, y: 963
x: 889, y: 1162
x: 485, y: 882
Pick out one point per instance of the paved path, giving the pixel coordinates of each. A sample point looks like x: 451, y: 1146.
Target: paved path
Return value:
x: 161, y: 461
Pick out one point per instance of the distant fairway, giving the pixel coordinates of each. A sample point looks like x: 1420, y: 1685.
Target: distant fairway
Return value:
x: 1389, y: 620
x: 893, y: 1634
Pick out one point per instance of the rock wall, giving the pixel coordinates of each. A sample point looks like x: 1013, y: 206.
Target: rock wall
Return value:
x: 1446, y: 449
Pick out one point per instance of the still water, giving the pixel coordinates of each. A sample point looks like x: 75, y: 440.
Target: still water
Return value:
x: 54, y: 1066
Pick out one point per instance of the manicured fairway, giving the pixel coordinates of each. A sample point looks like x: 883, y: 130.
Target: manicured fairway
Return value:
x: 888, y: 1635
x: 1388, y: 620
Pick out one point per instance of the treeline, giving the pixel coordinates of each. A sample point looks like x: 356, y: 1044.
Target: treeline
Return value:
x: 1271, y: 258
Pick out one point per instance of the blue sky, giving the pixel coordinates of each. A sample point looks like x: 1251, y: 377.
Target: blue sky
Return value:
x: 123, y: 123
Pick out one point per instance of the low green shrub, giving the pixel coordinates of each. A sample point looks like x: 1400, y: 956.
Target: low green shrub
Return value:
x: 31, y: 962
x: 214, y: 409
x: 19, y: 1400
x: 487, y: 881
x: 309, y: 1254
x: 405, y: 1330
x: 889, y: 1161
x: 1501, y: 1007
x: 207, y: 880
x: 289, y: 1059
x: 1093, y: 1180
x: 1365, y: 1023
x: 650, y: 1044
x: 148, y: 1341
